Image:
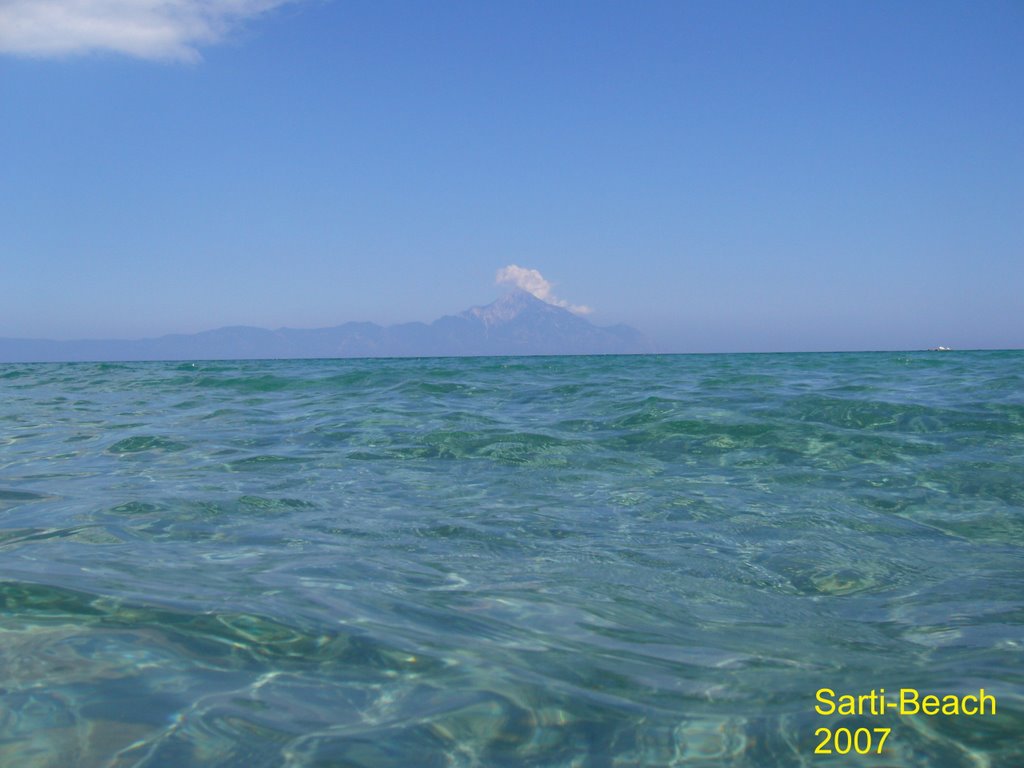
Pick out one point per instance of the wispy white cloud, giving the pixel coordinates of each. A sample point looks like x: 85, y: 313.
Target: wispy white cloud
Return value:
x: 148, y: 29
x: 532, y: 281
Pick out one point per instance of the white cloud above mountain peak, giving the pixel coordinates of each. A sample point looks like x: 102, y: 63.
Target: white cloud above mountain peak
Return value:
x: 533, y: 282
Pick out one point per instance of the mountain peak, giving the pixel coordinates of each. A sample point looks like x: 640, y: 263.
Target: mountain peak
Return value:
x: 509, y: 306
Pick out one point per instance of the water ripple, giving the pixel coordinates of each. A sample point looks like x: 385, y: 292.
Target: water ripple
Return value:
x: 607, y: 561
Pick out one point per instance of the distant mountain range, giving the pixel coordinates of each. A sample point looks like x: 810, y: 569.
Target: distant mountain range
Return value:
x: 516, y: 324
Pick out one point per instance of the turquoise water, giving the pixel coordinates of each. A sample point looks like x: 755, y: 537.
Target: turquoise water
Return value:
x: 617, y: 561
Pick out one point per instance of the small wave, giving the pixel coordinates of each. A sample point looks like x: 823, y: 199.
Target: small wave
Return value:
x: 262, y: 463
x: 141, y: 443
x: 253, y: 384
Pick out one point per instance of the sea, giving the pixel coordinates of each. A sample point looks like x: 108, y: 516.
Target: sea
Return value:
x: 571, y: 562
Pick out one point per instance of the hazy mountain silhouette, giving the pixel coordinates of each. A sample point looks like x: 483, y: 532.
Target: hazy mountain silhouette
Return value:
x: 516, y: 324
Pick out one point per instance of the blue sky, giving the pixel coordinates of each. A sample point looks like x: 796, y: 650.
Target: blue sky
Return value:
x: 724, y: 176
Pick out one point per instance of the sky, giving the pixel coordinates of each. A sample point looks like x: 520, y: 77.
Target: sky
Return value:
x: 724, y: 176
